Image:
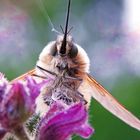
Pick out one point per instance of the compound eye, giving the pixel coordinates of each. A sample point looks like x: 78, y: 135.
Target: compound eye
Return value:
x: 73, y: 51
x: 53, y: 50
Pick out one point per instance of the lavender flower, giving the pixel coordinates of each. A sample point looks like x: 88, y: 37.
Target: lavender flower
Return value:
x: 17, y: 102
x: 63, y: 123
x: 16, y: 106
x: 34, y: 87
x: 3, y: 86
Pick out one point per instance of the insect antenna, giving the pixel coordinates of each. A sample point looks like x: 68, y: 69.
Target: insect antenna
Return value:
x: 62, y: 29
x: 70, y: 30
x: 44, y: 11
x: 63, y: 47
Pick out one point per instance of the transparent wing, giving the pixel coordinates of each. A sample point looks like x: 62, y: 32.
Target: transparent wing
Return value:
x: 110, y: 103
x: 23, y: 76
x: 38, y: 73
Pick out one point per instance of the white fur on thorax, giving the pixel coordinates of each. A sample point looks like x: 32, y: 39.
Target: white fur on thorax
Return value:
x: 45, y: 54
x: 47, y: 49
x: 45, y: 59
x: 84, y: 56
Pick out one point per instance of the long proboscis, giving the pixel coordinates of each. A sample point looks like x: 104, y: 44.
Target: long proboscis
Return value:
x: 63, y: 47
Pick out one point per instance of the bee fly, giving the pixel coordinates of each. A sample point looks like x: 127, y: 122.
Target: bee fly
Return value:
x: 67, y: 64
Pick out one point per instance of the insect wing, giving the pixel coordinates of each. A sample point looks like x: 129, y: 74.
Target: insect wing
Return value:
x: 23, y: 76
x: 37, y: 74
x: 110, y: 103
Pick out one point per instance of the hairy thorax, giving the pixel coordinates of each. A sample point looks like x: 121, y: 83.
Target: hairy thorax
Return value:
x: 77, y: 66
x: 66, y: 82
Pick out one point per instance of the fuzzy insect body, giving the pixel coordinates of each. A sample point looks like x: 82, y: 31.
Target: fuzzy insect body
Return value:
x: 66, y: 71
x: 68, y: 65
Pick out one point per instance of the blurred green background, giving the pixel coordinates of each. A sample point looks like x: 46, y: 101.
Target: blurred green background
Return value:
x: 102, y: 27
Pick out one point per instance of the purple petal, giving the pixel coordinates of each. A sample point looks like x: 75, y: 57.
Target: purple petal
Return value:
x: 35, y: 87
x: 3, y: 86
x: 13, y: 107
x: 85, y: 131
x: 2, y: 91
x: 55, y: 108
x: 1, y: 76
x: 19, y: 103
x: 65, y: 123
